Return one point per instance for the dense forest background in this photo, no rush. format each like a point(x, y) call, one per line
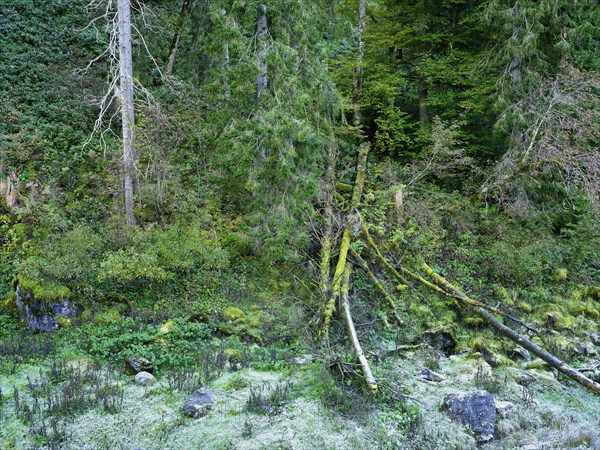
point(482, 120)
point(486, 113)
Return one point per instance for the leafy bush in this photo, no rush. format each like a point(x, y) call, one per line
point(180, 347)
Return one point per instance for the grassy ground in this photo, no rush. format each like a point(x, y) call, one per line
point(270, 401)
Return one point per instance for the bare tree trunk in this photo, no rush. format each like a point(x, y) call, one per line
point(126, 98)
point(177, 36)
point(359, 69)
point(345, 298)
point(261, 45)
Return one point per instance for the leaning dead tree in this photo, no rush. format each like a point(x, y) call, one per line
point(338, 291)
point(442, 286)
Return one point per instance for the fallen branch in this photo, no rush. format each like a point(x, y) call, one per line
point(520, 340)
point(379, 286)
point(385, 262)
point(369, 378)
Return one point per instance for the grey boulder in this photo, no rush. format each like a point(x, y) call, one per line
point(475, 409)
point(430, 375)
point(137, 364)
point(199, 403)
point(145, 379)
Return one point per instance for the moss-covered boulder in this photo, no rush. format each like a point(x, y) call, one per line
point(442, 339)
point(43, 307)
point(233, 314)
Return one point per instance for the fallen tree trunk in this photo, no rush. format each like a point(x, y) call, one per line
point(345, 301)
point(520, 340)
point(336, 282)
point(435, 287)
point(385, 262)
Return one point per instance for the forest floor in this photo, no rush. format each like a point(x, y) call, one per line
point(293, 403)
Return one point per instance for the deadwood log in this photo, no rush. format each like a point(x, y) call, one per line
point(519, 339)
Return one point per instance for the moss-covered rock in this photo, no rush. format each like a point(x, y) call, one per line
point(43, 306)
point(232, 354)
point(166, 327)
point(560, 275)
point(233, 314)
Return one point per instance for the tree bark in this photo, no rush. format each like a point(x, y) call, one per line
point(359, 68)
point(345, 298)
point(359, 183)
point(177, 36)
point(127, 109)
point(327, 238)
point(225, 69)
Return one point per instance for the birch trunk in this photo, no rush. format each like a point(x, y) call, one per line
point(126, 98)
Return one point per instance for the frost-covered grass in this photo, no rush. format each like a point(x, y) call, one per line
point(302, 406)
point(151, 418)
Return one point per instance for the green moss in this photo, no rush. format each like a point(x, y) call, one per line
point(537, 364)
point(474, 322)
point(558, 319)
point(560, 275)
point(105, 316)
point(10, 302)
point(578, 308)
point(233, 314)
point(420, 311)
point(166, 327)
point(63, 322)
point(525, 307)
point(592, 292)
point(232, 354)
point(41, 291)
point(577, 292)
point(236, 382)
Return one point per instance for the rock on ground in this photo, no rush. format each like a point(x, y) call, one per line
point(475, 409)
point(504, 409)
point(145, 379)
point(430, 375)
point(199, 403)
point(137, 364)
